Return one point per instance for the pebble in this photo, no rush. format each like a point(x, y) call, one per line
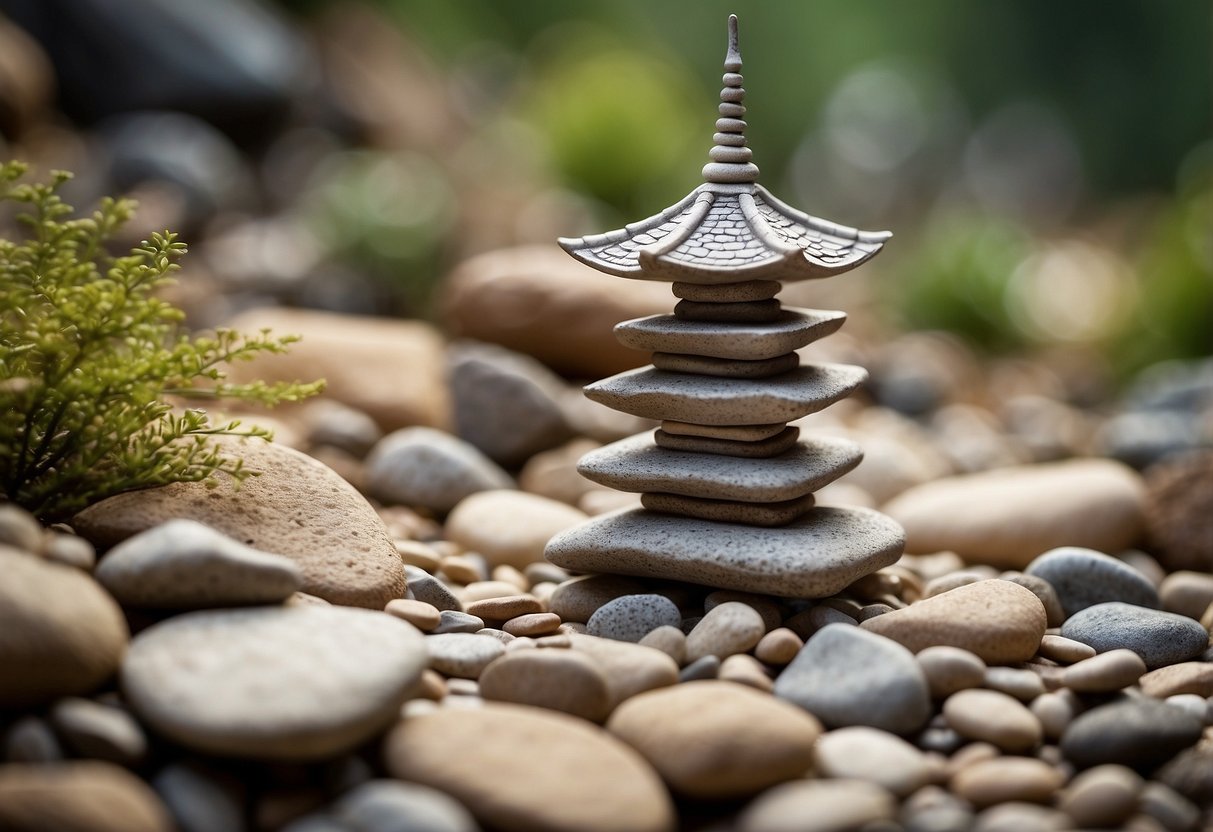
point(541, 770)
point(778, 647)
point(99, 732)
point(1064, 650)
point(185, 565)
point(1023, 685)
point(949, 669)
point(284, 683)
point(993, 717)
point(715, 739)
point(421, 615)
point(392, 806)
point(1007, 779)
point(415, 553)
point(510, 527)
point(1084, 577)
point(462, 570)
point(533, 624)
point(84, 795)
point(19, 529)
point(30, 740)
point(1139, 733)
point(1172, 810)
point(862, 753)
point(577, 599)
point(744, 669)
point(669, 639)
point(298, 508)
point(464, 655)
point(1160, 638)
point(1191, 773)
point(201, 798)
point(453, 621)
point(772, 615)
point(999, 621)
point(487, 590)
point(632, 617)
point(1192, 703)
point(729, 628)
point(427, 468)
point(1102, 797)
point(833, 806)
point(63, 634)
point(932, 809)
point(1054, 711)
point(1187, 593)
point(1104, 673)
point(1185, 677)
point(503, 608)
point(847, 676)
point(425, 587)
point(1018, 816)
point(629, 668)
point(1008, 516)
point(559, 680)
point(1055, 614)
point(70, 550)
point(706, 667)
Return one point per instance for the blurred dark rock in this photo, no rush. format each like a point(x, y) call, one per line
point(1179, 512)
point(1145, 437)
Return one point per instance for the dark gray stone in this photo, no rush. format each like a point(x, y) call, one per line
point(1137, 732)
point(632, 617)
point(425, 587)
point(454, 621)
point(1084, 577)
point(848, 676)
point(1160, 638)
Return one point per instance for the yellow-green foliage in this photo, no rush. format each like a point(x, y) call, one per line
point(89, 358)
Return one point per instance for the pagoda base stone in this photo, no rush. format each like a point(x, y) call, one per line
point(816, 556)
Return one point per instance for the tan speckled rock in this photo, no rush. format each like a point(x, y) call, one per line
point(730, 511)
point(818, 555)
point(727, 292)
point(999, 621)
point(656, 394)
point(748, 342)
point(637, 464)
point(78, 796)
point(297, 507)
point(762, 449)
point(712, 739)
point(725, 367)
point(529, 770)
point(509, 527)
point(60, 633)
point(1006, 517)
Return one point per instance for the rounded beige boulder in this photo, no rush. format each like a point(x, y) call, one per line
point(713, 739)
point(60, 632)
point(525, 769)
point(1008, 516)
point(296, 507)
point(509, 527)
point(78, 796)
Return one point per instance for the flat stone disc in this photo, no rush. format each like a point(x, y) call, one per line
point(709, 400)
point(760, 311)
point(762, 449)
point(728, 292)
point(730, 511)
point(725, 367)
point(740, 433)
point(750, 342)
point(637, 464)
point(818, 555)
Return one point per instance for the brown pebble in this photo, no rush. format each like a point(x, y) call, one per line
point(993, 717)
point(778, 647)
point(415, 553)
point(1187, 593)
point(501, 635)
point(461, 570)
point(1007, 779)
point(511, 575)
point(1104, 673)
point(558, 641)
point(559, 680)
point(1024, 685)
point(433, 686)
point(950, 669)
point(533, 624)
point(1185, 677)
point(1055, 712)
point(504, 608)
point(970, 755)
point(745, 670)
point(1064, 650)
point(1102, 797)
point(483, 590)
point(669, 640)
point(421, 615)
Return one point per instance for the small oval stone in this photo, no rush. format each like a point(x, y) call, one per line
point(1104, 673)
point(509, 527)
point(731, 627)
point(1185, 677)
point(84, 795)
point(778, 647)
point(505, 607)
point(950, 669)
point(861, 753)
point(1160, 638)
point(630, 669)
point(1024, 685)
point(559, 680)
point(577, 599)
point(464, 655)
point(1140, 733)
point(1007, 779)
point(993, 717)
point(1065, 650)
point(1054, 711)
point(1187, 593)
point(533, 624)
point(421, 615)
point(454, 621)
point(632, 617)
point(1084, 577)
point(99, 732)
point(670, 640)
point(744, 669)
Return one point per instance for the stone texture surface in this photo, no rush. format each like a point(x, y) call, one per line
point(462, 655)
point(578, 598)
point(563, 772)
point(1160, 638)
point(993, 717)
point(754, 311)
point(393, 370)
point(637, 464)
point(847, 676)
point(726, 629)
point(727, 292)
point(730, 511)
point(1007, 780)
point(632, 617)
point(182, 564)
point(568, 681)
point(392, 806)
point(1008, 516)
point(430, 469)
point(816, 556)
point(999, 621)
point(658, 394)
point(1187, 593)
point(286, 683)
point(1185, 677)
point(60, 633)
point(714, 740)
point(762, 449)
point(862, 753)
point(725, 367)
point(629, 668)
point(509, 527)
point(1138, 733)
point(1104, 673)
point(752, 342)
point(1084, 577)
point(80, 796)
point(297, 507)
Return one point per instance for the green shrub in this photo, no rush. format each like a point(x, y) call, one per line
point(91, 361)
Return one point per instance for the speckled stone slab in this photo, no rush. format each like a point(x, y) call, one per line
point(740, 433)
point(637, 464)
point(816, 556)
point(762, 449)
point(725, 367)
point(749, 342)
point(760, 311)
point(730, 511)
point(707, 400)
point(728, 292)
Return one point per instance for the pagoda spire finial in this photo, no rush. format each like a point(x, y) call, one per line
point(730, 158)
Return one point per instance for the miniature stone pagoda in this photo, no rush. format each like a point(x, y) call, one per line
point(727, 485)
